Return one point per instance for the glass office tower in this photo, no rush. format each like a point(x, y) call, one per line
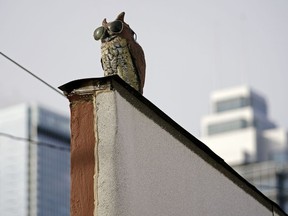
point(34, 162)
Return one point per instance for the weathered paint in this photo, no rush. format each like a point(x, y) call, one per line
point(82, 156)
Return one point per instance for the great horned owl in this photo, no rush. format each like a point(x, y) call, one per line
point(120, 53)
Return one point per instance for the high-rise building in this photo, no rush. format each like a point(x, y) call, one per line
point(239, 130)
point(34, 162)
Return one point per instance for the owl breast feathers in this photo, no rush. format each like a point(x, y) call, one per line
point(120, 53)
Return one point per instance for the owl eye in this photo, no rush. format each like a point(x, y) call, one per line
point(99, 32)
point(116, 26)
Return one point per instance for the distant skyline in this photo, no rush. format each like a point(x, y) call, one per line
point(192, 48)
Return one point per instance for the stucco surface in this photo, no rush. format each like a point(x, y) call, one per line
point(144, 170)
point(106, 135)
point(82, 158)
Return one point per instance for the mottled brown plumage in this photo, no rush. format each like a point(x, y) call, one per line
point(120, 53)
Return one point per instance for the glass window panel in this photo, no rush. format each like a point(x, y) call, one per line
point(233, 103)
point(227, 126)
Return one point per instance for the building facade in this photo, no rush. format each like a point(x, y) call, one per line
point(34, 161)
point(129, 158)
point(239, 129)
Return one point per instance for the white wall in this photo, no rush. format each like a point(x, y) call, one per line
point(145, 170)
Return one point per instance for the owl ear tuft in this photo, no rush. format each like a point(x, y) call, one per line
point(104, 22)
point(121, 16)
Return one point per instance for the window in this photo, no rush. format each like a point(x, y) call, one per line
point(227, 126)
point(233, 103)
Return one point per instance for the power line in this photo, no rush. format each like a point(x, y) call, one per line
point(38, 78)
point(49, 145)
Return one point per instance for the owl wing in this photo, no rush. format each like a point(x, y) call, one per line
point(138, 59)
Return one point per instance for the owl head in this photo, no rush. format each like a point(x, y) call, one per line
point(110, 30)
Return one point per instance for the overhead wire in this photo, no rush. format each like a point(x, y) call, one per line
point(26, 139)
point(34, 142)
point(32, 74)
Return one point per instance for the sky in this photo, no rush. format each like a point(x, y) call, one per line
point(191, 48)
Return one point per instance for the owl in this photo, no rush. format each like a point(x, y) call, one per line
point(120, 53)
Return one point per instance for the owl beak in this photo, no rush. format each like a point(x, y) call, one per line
point(107, 37)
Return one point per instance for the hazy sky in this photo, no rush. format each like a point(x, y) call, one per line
point(192, 47)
